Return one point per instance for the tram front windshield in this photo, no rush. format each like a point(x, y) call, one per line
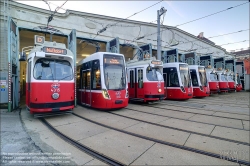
point(52, 69)
point(213, 77)
point(114, 72)
point(154, 74)
point(203, 77)
point(194, 77)
point(184, 73)
point(223, 77)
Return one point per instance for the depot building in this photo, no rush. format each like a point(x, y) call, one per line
point(84, 34)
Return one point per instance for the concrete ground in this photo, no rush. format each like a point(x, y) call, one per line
point(16, 142)
point(26, 141)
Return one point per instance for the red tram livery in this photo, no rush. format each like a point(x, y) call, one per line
point(102, 81)
point(145, 81)
point(50, 85)
point(222, 78)
point(177, 81)
point(230, 80)
point(212, 80)
point(199, 81)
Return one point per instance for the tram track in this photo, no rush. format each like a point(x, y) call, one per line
point(175, 105)
point(188, 131)
point(216, 103)
point(186, 119)
point(179, 146)
point(195, 112)
point(81, 147)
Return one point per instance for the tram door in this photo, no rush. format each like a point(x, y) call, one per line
point(139, 88)
point(132, 83)
point(165, 83)
point(86, 82)
point(28, 95)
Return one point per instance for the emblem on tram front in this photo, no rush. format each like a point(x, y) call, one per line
point(118, 94)
point(158, 85)
point(55, 87)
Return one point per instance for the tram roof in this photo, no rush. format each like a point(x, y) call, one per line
point(39, 48)
point(145, 61)
point(173, 64)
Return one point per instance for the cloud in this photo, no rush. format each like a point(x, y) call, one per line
point(174, 9)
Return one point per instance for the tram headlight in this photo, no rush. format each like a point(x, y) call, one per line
point(201, 88)
point(55, 96)
point(182, 89)
point(105, 94)
point(159, 90)
point(127, 93)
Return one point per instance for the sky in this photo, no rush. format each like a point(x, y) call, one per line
point(178, 12)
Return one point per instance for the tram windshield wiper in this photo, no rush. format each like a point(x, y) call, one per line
point(64, 77)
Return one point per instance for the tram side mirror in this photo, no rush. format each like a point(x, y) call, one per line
point(22, 56)
point(45, 64)
point(149, 68)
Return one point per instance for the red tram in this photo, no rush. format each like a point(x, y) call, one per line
point(212, 80)
point(238, 83)
point(230, 80)
point(145, 81)
point(177, 81)
point(199, 81)
point(222, 78)
point(102, 81)
point(50, 85)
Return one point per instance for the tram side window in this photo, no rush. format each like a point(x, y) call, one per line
point(84, 79)
point(131, 78)
point(88, 80)
point(96, 75)
point(140, 78)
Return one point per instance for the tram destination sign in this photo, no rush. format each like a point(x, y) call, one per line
point(54, 50)
point(109, 59)
point(156, 62)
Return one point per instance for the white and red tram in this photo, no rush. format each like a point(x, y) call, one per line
point(50, 85)
point(222, 78)
point(199, 81)
point(238, 83)
point(212, 80)
point(102, 81)
point(230, 80)
point(145, 81)
point(177, 81)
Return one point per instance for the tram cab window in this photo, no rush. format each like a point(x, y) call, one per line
point(96, 75)
point(172, 77)
point(140, 78)
point(194, 77)
point(51, 69)
point(154, 74)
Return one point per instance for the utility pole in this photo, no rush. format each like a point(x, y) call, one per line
point(159, 13)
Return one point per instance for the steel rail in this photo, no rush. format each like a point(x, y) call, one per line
point(86, 149)
point(193, 112)
point(186, 119)
point(183, 130)
point(166, 143)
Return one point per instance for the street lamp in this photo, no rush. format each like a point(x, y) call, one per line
point(159, 13)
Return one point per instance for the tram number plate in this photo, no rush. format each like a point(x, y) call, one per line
point(118, 102)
